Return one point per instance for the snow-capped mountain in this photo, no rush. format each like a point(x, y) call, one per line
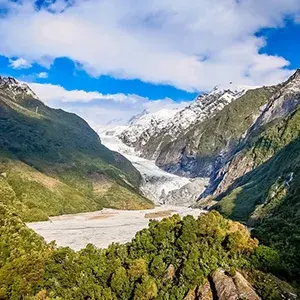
point(16, 87)
point(144, 126)
point(149, 132)
point(135, 118)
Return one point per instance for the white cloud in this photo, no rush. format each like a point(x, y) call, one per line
point(42, 75)
point(192, 45)
point(50, 93)
point(98, 108)
point(19, 63)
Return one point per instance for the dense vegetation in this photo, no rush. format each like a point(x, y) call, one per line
point(30, 269)
point(52, 163)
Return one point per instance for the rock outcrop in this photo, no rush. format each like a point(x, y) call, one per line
point(170, 272)
point(222, 286)
point(244, 288)
point(202, 292)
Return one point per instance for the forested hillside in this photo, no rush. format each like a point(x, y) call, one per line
point(52, 162)
point(259, 183)
point(210, 258)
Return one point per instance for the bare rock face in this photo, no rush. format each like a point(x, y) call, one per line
point(191, 295)
point(170, 272)
point(204, 292)
point(282, 104)
point(186, 195)
point(236, 168)
point(244, 288)
point(224, 285)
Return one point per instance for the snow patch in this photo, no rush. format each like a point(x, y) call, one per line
point(16, 87)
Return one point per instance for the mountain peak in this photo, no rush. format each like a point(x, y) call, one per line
point(295, 76)
point(16, 87)
point(135, 118)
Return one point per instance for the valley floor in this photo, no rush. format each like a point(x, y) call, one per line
point(102, 228)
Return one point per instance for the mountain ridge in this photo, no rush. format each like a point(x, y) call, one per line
point(150, 139)
point(40, 142)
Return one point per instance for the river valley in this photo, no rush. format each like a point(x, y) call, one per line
point(102, 228)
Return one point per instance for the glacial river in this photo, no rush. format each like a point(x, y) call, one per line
point(102, 228)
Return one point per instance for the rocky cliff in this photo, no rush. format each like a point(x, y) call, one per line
point(275, 128)
point(222, 285)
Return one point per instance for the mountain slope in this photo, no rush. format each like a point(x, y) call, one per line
point(275, 128)
point(205, 145)
point(43, 147)
point(260, 183)
point(153, 132)
point(143, 127)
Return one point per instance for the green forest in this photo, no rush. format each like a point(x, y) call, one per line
point(165, 261)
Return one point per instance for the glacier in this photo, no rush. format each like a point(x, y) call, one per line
point(157, 184)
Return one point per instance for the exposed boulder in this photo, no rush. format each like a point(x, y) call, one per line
point(224, 286)
point(244, 288)
point(204, 292)
point(170, 272)
point(191, 295)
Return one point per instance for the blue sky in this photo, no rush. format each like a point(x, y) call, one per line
point(64, 72)
point(109, 59)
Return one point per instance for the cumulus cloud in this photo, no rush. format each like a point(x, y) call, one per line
point(42, 75)
point(50, 92)
point(97, 108)
point(192, 45)
point(19, 63)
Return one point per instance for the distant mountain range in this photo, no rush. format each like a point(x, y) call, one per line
point(148, 133)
